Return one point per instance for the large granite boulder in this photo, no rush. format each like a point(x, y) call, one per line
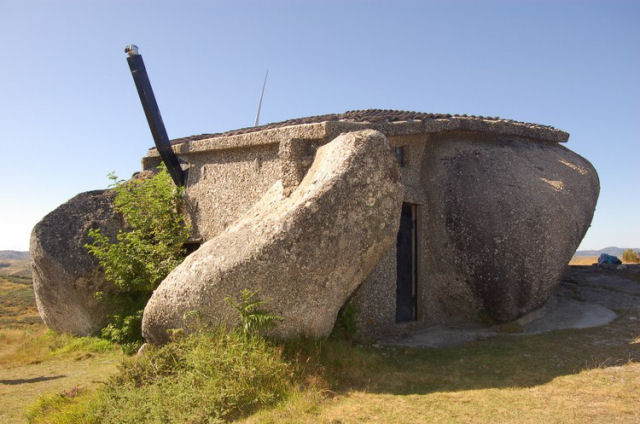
point(65, 276)
point(306, 252)
point(503, 218)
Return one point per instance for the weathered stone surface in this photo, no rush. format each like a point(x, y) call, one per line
point(65, 276)
point(305, 253)
point(503, 217)
point(229, 173)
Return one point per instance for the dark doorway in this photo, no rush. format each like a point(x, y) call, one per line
point(407, 276)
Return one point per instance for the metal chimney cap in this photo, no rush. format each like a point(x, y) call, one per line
point(131, 50)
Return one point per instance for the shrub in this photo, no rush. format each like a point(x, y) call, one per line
point(209, 376)
point(142, 255)
point(631, 256)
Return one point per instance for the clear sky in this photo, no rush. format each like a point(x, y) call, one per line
point(69, 112)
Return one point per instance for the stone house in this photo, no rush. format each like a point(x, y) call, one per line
point(492, 209)
point(415, 218)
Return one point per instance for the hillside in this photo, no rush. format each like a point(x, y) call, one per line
point(13, 255)
point(615, 251)
point(15, 264)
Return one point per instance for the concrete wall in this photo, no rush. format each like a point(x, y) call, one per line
point(222, 185)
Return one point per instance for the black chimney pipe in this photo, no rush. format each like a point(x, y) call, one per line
point(148, 100)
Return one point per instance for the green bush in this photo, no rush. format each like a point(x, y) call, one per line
point(142, 255)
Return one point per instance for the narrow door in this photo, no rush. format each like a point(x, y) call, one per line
point(407, 277)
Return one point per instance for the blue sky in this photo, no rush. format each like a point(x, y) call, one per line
point(69, 112)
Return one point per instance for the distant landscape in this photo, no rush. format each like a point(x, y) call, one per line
point(13, 254)
point(615, 251)
point(589, 257)
point(15, 263)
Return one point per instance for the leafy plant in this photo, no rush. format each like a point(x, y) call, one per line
point(142, 255)
point(125, 329)
point(253, 318)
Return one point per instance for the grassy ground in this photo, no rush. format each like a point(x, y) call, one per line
point(35, 361)
point(569, 376)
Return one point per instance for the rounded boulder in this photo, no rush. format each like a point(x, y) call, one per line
point(504, 218)
point(66, 277)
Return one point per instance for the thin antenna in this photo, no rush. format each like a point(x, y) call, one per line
point(261, 96)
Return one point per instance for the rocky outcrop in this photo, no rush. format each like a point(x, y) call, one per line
point(305, 253)
point(65, 276)
point(503, 218)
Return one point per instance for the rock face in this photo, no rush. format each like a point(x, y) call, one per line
point(65, 276)
point(504, 217)
point(305, 253)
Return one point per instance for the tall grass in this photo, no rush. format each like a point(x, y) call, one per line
point(206, 377)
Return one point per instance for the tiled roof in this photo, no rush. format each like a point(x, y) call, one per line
point(367, 115)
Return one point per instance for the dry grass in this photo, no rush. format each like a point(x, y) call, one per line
point(35, 361)
point(583, 260)
point(22, 386)
point(31, 347)
point(21, 346)
point(571, 376)
point(593, 396)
